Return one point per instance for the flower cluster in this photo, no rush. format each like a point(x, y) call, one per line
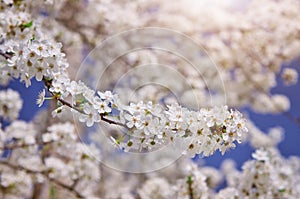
point(268, 176)
point(151, 125)
point(81, 168)
point(195, 184)
point(259, 139)
point(10, 104)
point(27, 51)
point(16, 184)
point(290, 76)
point(55, 156)
point(205, 131)
point(52, 155)
point(248, 46)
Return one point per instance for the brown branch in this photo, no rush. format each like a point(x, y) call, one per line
point(67, 104)
point(190, 188)
point(63, 102)
point(55, 182)
point(16, 146)
point(112, 122)
point(102, 116)
point(6, 55)
point(37, 190)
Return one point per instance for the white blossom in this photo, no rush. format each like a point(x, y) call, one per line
point(10, 104)
point(248, 58)
point(90, 115)
point(41, 98)
point(261, 155)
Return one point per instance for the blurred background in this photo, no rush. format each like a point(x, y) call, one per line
point(74, 18)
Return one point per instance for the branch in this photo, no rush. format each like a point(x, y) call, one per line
point(56, 182)
point(102, 116)
point(190, 188)
point(16, 146)
point(6, 55)
point(63, 102)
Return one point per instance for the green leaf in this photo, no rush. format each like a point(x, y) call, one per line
point(27, 25)
point(189, 180)
point(52, 192)
point(33, 38)
point(281, 190)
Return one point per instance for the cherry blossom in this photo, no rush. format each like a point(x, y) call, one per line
point(46, 40)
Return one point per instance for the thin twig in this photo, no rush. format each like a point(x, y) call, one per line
point(16, 146)
point(6, 55)
point(63, 102)
point(190, 187)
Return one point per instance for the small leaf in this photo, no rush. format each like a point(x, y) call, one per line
point(189, 180)
point(27, 25)
point(281, 190)
point(33, 38)
point(52, 192)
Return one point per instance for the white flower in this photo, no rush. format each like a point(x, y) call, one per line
point(101, 106)
point(107, 95)
point(25, 78)
point(10, 104)
point(228, 193)
point(8, 1)
point(280, 103)
point(40, 70)
point(54, 48)
point(17, 131)
point(41, 98)
point(90, 115)
point(47, 137)
point(261, 155)
point(151, 125)
point(89, 94)
point(74, 88)
point(290, 76)
point(57, 168)
point(156, 187)
point(19, 181)
point(175, 113)
point(57, 87)
point(133, 120)
point(208, 146)
point(29, 56)
point(29, 139)
point(40, 49)
point(132, 108)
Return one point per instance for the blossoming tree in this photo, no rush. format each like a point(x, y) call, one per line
point(154, 93)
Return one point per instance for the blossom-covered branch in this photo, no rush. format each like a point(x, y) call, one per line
point(36, 38)
point(150, 125)
point(57, 183)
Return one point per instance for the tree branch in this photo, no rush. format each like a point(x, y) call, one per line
point(55, 182)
